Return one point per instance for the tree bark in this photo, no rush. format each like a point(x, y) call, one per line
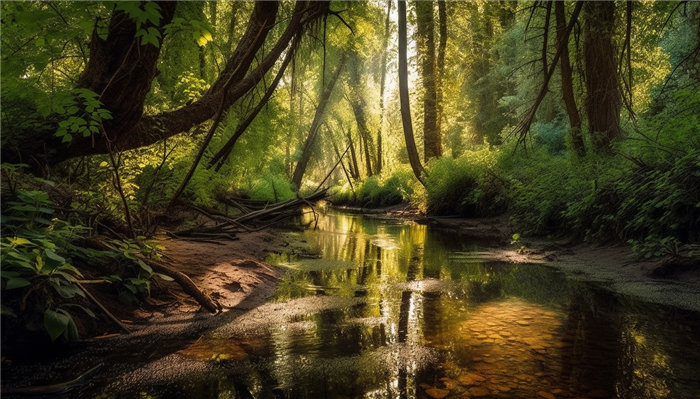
point(425, 36)
point(603, 101)
point(440, 72)
point(300, 168)
point(382, 88)
point(354, 168)
point(567, 86)
point(413, 156)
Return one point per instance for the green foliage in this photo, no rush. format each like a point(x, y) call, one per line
point(462, 186)
point(272, 188)
point(132, 252)
point(36, 255)
point(85, 115)
point(378, 191)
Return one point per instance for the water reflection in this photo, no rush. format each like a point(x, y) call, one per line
point(422, 315)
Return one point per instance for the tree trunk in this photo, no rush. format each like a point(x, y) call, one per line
point(603, 101)
point(382, 88)
point(567, 86)
point(357, 102)
point(354, 168)
point(315, 125)
point(432, 145)
point(440, 73)
point(413, 156)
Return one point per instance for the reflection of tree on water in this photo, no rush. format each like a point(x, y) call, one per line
point(415, 266)
point(592, 339)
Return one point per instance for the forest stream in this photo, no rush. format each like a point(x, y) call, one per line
point(391, 308)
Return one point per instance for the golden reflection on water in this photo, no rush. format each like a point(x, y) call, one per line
point(433, 320)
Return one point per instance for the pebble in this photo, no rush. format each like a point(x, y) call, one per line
point(479, 391)
point(437, 393)
point(546, 395)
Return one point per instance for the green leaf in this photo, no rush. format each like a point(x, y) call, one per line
point(17, 241)
point(8, 274)
point(83, 308)
point(67, 290)
point(71, 329)
point(164, 277)
point(7, 311)
point(53, 256)
point(16, 283)
point(144, 266)
point(55, 323)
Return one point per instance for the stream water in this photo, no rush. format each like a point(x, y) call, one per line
point(394, 309)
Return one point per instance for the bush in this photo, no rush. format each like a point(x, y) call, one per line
point(378, 191)
point(272, 188)
point(466, 186)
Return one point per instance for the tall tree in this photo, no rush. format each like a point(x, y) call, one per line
point(425, 36)
point(567, 81)
point(356, 98)
point(382, 87)
point(440, 71)
point(603, 97)
point(413, 156)
point(314, 129)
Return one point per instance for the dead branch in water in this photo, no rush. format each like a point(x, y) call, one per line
point(255, 216)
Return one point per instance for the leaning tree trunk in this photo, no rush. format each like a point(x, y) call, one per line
point(354, 168)
point(567, 87)
point(315, 125)
point(432, 143)
point(603, 101)
point(413, 156)
point(357, 103)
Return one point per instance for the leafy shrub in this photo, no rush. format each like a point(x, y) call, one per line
point(464, 186)
point(378, 191)
point(36, 263)
point(537, 193)
point(272, 188)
